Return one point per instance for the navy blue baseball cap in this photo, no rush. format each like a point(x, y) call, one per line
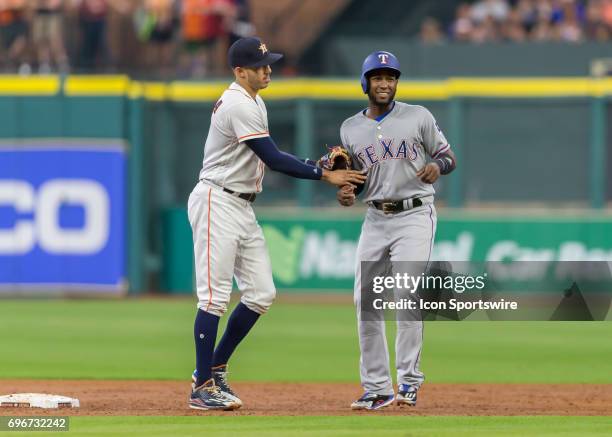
point(250, 52)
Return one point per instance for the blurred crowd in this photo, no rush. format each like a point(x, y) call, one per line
point(185, 38)
point(189, 38)
point(524, 20)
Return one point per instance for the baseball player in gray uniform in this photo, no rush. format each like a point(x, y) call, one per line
point(404, 152)
point(228, 242)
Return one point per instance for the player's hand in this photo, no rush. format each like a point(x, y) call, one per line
point(340, 178)
point(346, 195)
point(429, 174)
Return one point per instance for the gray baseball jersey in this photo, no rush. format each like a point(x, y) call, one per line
point(393, 150)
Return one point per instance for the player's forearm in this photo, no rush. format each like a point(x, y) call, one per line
point(308, 161)
point(304, 160)
point(446, 161)
point(283, 162)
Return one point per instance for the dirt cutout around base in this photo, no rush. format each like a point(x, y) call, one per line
point(170, 398)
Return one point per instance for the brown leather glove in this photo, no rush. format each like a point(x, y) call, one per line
point(337, 158)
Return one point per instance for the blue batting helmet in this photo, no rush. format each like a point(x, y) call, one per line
point(375, 61)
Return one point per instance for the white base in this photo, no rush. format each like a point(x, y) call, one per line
point(38, 400)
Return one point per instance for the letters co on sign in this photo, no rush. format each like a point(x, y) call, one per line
point(62, 216)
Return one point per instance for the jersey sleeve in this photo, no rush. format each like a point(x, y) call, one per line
point(434, 140)
point(356, 164)
point(247, 122)
point(347, 145)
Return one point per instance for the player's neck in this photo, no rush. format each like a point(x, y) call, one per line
point(244, 84)
point(374, 111)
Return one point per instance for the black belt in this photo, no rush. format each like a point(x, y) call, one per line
point(395, 206)
point(246, 196)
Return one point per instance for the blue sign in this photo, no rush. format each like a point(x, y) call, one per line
point(62, 218)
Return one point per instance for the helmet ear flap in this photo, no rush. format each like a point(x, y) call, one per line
point(365, 84)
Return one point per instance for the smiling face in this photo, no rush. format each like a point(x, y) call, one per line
point(382, 86)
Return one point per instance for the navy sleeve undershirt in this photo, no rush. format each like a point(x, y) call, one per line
point(359, 189)
point(265, 148)
point(446, 163)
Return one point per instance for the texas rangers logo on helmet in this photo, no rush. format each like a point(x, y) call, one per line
point(383, 58)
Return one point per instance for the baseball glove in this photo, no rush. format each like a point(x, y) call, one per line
point(337, 158)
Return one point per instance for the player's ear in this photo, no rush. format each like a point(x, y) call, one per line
point(239, 72)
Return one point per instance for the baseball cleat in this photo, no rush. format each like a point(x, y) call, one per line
point(372, 401)
point(209, 397)
point(406, 395)
point(219, 375)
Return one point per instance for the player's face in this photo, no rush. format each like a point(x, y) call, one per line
point(258, 78)
point(383, 84)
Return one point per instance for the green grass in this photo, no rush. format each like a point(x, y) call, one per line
point(152, 339)
point(342, 426)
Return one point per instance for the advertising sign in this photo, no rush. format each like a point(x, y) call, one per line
point(62, 217)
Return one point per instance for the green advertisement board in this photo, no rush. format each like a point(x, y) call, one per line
point(317, 252)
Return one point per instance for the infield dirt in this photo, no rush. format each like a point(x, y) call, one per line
point(169, 398)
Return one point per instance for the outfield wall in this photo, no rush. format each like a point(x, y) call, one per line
point(344, 55)
point(518, 141)
point(316, 252)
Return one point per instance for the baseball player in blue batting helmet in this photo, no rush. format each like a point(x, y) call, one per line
point(404, 152)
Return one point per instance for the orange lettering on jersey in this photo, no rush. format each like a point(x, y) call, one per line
point(217, 105)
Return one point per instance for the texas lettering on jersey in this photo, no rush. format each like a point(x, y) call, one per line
point(387, 149)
